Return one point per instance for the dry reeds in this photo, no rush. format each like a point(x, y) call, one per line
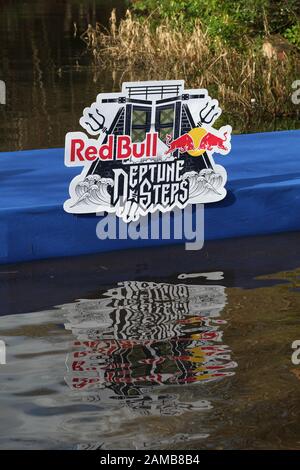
point(242, 80)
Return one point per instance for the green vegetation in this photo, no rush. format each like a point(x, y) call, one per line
point(246, 53)
point(292, 34)
point(229, 21)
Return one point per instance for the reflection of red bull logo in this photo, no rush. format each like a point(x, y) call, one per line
point(180, 360)
point(199, 140)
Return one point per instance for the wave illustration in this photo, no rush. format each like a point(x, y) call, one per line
point(93, 190)
point(205, 182)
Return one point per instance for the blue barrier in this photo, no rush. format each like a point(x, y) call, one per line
point(263, 198)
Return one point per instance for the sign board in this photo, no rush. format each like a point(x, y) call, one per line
point(148, 148)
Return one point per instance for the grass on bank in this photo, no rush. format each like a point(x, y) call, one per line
point(256, 76)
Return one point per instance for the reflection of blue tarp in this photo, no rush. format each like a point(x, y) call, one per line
point(263, 197)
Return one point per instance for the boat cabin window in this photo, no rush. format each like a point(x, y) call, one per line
point(164, 122)
point(141, 123)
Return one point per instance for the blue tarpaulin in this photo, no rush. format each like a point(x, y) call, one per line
point(263, 198)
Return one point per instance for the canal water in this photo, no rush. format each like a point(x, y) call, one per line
point(48, 73)
point(50, 77)
point(153, 349)
point(159, 348)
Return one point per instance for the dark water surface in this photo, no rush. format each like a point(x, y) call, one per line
point(46, 69)
point(50, 78)
point(158, 348)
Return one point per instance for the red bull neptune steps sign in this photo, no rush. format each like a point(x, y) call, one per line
point(149, 148)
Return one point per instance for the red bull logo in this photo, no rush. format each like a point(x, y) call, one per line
point(135, 151)
point(211, 142)
point(199, 139)
point(182, 143)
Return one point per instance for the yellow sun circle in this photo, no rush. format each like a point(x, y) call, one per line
point(197, 135)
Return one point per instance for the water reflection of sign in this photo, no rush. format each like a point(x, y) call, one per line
point(151, 149)
point(141, 335)
point(2, 352)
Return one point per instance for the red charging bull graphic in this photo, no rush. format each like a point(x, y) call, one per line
point(199, 140)
point(148, 148)
point(144, 335)
point(211, 141)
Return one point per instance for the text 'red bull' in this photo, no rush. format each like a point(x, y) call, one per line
point(80, 149)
